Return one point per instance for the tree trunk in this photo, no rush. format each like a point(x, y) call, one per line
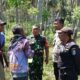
point(75, 30)
point(39, 6)
point(17, 16)
point(0, 9)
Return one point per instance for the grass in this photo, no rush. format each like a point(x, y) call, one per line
point(48, 69)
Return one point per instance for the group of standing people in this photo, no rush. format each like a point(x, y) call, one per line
point(66, 53)
point(21, 48)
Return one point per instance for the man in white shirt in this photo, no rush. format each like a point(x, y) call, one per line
point(58, 24)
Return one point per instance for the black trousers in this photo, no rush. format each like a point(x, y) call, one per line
point(5, 59)
point(56, 72)
point(68, 74)
point(1, 60)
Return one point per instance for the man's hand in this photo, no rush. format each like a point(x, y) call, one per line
point(0, 52)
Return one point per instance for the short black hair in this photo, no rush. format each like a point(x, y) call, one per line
point(17, 29)
point(60, 19)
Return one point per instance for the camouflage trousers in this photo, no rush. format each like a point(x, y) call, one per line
point(2, 74)
point(36, 68)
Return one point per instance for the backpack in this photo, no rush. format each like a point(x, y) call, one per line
point(18, 56)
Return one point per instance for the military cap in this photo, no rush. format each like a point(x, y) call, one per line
point(2, 22)
point(66, 30)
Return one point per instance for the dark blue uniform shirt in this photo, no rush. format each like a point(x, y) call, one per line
point(2, 39)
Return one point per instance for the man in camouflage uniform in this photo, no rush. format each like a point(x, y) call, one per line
point(38, 44)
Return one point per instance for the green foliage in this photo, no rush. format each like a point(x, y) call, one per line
point(76, 13)
point(67, 23)
point(14, 2)
point(49, 34)
point(52, 3)
point(32, 11)
point(18, 2)
point(25, 5)
point(21, 5)
point(45, 14)
point(10, 14)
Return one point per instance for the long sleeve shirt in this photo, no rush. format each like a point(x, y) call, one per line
point(2, 40)
point(56, 42)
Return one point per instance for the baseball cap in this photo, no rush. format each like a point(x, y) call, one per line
point(66, 30)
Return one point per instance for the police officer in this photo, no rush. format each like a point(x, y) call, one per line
point(58, 24)
point(38, 44)
point(67, 52)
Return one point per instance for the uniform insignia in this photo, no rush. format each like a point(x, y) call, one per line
point(73, 51)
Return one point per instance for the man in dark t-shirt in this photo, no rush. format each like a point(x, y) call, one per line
point(38, 44)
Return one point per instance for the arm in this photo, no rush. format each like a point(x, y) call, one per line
point(29, 53)
point(2, 40)
point(2, 43)
point(46, 51)
point(76, 54)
